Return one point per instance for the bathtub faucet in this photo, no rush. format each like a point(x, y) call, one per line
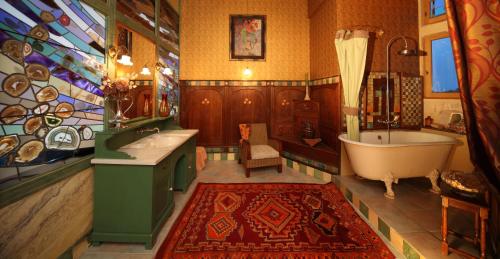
point(393, 122)
point(390, 123)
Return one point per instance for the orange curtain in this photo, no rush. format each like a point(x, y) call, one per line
point(475, 36)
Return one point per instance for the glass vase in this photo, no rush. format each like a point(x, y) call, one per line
point(164, 107)
point(146, 110)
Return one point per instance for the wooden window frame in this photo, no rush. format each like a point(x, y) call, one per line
point(428, 68)
point(426, 14)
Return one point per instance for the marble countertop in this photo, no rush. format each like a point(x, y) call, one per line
point(150, 150)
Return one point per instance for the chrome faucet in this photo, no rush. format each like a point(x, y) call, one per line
point(142, 130)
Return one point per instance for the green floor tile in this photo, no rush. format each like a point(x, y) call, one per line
point(363, 208)
point(289, 163)
point(318, 174)
point(384, 228)
point(348, 194)
point(302, 168)
point(409, 252)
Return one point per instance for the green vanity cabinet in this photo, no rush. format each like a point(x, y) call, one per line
point(132, 201)
point(187, 163)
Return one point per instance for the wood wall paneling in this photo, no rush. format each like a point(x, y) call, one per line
point(305, 112)
point(328, 97)
point(245, 105)
point(203, 109)
point(282, 99)
point(231, 105)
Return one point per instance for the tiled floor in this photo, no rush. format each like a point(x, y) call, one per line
point(415, 213)
point(215, 172)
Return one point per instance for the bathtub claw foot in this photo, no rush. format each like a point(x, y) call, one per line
point(388, 180)
point(433, 177)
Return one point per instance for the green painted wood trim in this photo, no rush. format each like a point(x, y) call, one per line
point(136, 26)
point(98, 5)
point(36, 183)
point(68, 254)
point(110, 35)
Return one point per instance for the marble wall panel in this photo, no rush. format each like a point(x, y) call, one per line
point(48, 222)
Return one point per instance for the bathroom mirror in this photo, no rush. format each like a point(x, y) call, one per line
point(142, 54)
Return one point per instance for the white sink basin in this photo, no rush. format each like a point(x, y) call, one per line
point(157, 141)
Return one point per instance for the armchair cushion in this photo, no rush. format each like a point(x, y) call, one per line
point(263, 152)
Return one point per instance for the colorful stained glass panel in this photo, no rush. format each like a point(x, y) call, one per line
point(51, 63)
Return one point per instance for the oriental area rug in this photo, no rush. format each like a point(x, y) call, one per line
point(270, 221)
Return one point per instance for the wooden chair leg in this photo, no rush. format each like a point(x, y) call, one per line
point(247, 172)
point(444, 227)
point(476, 228)
point(280, 168)
point(483, 214)
point(239, 160)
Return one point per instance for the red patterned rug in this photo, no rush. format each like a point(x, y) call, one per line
point(270, 221)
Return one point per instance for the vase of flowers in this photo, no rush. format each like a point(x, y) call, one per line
point(118, 92)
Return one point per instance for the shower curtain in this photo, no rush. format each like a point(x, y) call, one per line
point(351, 53)
point(475, 38)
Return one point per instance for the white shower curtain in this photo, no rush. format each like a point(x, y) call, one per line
point(351, 52)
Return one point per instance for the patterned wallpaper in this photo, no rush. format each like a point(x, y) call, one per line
point(323, 24)
point(393, 16)
point(205, 40)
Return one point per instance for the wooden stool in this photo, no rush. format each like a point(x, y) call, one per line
point(480, 220)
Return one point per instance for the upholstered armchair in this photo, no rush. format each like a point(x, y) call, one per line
point(256, 149)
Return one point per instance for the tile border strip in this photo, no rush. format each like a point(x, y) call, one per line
point(325, 81)
point(315, 82)
point(307, 170)
point(305, 165)
point(378, 224)
point(312, 163)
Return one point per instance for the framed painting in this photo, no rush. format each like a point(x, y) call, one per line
point(247, 37)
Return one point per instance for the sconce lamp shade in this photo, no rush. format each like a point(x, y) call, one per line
point(145, 71)
point(167, 71)
point(125, 60)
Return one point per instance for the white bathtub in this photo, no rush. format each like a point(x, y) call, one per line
point(410, 154)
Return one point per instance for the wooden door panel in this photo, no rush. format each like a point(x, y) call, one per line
point(203, 110)
point(246, 105)
point(282, 125)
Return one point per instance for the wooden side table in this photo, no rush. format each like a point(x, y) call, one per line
point(480, 222)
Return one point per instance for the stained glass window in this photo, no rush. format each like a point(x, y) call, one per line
point(437, 8)
point(169, 25)
point(50, 68)
point(444, 75)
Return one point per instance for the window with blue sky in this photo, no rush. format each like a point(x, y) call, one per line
point(444, 75)
point(437, 8)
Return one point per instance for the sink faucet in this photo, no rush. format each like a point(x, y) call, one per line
point(142, 130)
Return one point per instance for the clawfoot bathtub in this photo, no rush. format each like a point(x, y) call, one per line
point(410, 154)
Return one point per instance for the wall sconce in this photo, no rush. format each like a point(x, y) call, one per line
point(114, 52)
point(247, 72)
point(145, 70)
